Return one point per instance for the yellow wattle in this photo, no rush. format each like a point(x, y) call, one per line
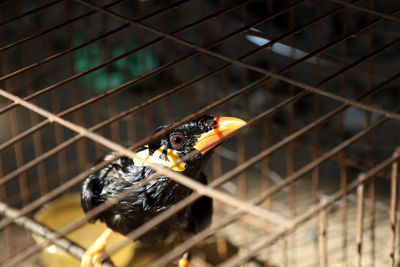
point(143, 158)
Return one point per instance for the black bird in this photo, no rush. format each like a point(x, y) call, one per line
point(141, 205)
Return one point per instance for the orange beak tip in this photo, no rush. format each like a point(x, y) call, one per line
point(230, 122)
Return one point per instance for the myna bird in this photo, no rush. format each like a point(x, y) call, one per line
point(201, 136)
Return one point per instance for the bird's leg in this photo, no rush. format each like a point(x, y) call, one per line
point(184, 261)
point(94, 252)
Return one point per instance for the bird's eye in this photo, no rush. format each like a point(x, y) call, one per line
point(177, 140)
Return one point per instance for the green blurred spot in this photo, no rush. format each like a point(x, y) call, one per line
point(117, 73)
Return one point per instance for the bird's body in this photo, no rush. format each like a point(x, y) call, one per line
point(144, 203)
point(160, 192)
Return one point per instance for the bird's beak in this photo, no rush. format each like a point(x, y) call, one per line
point(224, 128)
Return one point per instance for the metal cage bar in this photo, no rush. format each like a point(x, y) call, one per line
point(316, 82)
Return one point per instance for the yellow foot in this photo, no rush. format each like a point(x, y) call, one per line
point(91, 259)
point(92, 256)
point(184, 261)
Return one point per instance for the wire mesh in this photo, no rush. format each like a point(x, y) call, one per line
point(311, 181)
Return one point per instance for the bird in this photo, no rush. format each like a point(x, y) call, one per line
point(193, 141)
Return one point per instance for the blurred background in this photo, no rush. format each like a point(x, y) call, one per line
point(316, 80)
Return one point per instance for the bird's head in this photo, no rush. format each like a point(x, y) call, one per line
point(192, 141)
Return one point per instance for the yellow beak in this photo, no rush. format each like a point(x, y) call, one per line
point(224, 128)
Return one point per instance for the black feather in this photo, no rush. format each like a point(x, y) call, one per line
point(159, 194)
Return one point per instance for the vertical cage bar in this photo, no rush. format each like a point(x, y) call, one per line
point(34, 118)
point(11, 248)
point(314, 141)
point(187, 94)
point(9, 240)
point(360, 223)
point(148, 111)
point(8, 236)
point(393, 209)
point(169, 112)
point(56, 106)
point(398, 224)
point(342, 155)
point(284, 245)
point(222, 242)
point(112, 102)
point(241, 147)
point(19, 158)
point(290, 154)
point(127, 101)
point(266, 131)
point(323, 236)
point(222, 246)
point(76, 91)
point(369, 141)
point(290, 130)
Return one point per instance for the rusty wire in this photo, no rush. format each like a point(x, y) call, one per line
point(313, 89)
point(233, 173)
point(248, 253)
point(112, 91)
point(196, 186)
point(76, 107)
point(368, 10)
point(291, 178)
point(43, 231)
point(148, 102)
point(26, 133)
point(65, 144)
point(26, 39)
point(286, 226)
point(30, 12)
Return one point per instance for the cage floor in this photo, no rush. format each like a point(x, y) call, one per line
point(302, 247)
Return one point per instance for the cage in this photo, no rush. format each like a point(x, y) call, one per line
point(312, 180)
